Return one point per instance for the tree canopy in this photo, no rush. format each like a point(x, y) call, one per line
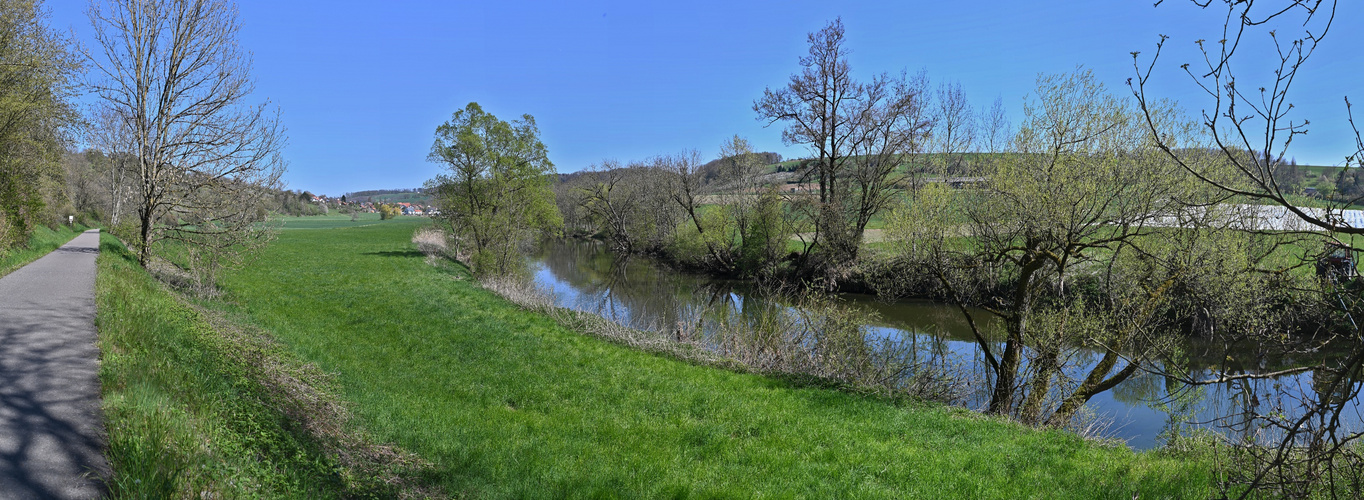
point(37, 81)
point(496, 191)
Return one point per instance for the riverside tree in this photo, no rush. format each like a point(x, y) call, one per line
point(174, 90)
point(36, 84)
point(496, 193)
point(857, 133)
point(735, 220)
point(1084, 190)
point(1250, 116)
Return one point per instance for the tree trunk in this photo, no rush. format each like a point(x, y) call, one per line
point(144, 253)
point(1002, 401)
point(1047, 365)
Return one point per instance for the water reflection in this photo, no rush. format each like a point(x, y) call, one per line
point(1144, 410)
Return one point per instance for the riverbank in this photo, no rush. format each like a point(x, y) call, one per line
point(506, 402)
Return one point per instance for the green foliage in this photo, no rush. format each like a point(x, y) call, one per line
point(1086, 188)
point(767, 233)
point(496, 194)
point(387, 211)
point(507, 403)
point(37, 73)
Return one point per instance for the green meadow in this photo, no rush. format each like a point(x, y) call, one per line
point(331, 221)
point(506, 403)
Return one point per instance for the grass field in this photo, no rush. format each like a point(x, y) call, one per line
point(182, 418)
point(509, 404)
point(42, 242)
point(328, 221)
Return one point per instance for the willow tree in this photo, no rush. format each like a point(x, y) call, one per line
point(496, 193)
point(36, 85)
point(1084, 188)
point(175, 92)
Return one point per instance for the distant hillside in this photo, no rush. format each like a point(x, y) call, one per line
point(710, 168)
point(415, 195)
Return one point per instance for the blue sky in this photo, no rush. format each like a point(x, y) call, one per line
point(363, 85)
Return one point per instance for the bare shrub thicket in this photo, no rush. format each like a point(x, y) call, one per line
point(724, 216)
point(435, 244)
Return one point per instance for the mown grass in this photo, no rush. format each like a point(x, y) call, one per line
point(509, 404)
point(42, 242)
point(333, 220)
point(186, 408)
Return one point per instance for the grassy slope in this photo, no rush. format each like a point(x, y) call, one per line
point(509, 404)
point(185, 416)
point(42, 242)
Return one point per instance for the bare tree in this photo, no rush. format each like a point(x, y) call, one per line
point(175, 85)
point(995, 129)
point(688, 191)
point(954, 128)
point(856, 132)
point(754, 204)
point(1251, 121)
point(633, 205)
point(109, 135)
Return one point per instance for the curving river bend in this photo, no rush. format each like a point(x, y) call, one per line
point(1140, 411)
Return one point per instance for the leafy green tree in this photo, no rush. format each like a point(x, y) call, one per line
point(387, 211)
point(496, 193)
point(36, 84)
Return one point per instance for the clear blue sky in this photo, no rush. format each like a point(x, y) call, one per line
point(363, 85)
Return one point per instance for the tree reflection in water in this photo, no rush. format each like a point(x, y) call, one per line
point(1145, 411)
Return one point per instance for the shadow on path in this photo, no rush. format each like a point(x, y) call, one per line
point(51, 430)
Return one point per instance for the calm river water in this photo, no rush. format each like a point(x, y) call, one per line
point(636, 292)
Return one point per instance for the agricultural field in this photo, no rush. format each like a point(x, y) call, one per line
point(509, 403)
point(330, 221)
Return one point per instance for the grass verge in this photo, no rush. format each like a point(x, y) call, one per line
point(196, 406)
point(42, 242)
point(508, 403)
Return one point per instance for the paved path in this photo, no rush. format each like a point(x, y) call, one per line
point(51, 431)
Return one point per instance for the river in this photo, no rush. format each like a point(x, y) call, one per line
point(1141, 411)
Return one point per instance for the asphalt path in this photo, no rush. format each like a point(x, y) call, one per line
point(51, 430)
